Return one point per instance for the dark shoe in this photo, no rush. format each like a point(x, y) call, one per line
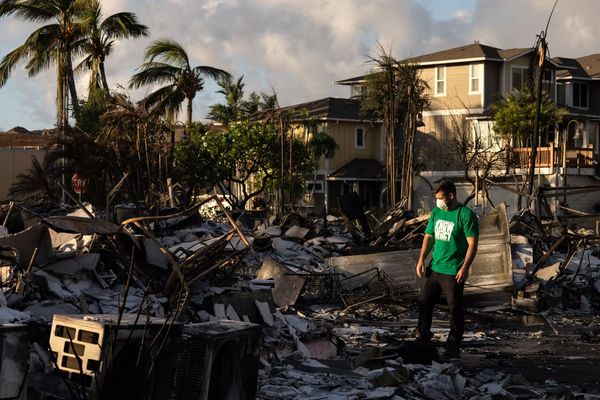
point(423, 338)
point(452, 351)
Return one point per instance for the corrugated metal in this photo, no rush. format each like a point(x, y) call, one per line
point(492, 267)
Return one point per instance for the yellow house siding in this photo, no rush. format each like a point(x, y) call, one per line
point(457, 88)
point(344, 135)
point(435, 150)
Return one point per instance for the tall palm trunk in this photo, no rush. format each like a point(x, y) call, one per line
point(189, 110)
point(103, 76)
point(60, 94)
point(71, 80)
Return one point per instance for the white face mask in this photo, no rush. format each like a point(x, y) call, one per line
point(441, 204)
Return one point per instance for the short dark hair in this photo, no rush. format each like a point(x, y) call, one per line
point(446, 186)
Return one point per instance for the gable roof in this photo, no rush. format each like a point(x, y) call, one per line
point(329, 108)
point(461, 54)
point(587, 67)
point(471, 51)
point(359, 169)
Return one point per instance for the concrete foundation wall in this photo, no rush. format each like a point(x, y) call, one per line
point(14, 162)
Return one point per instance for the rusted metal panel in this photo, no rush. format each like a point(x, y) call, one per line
point(491, 269)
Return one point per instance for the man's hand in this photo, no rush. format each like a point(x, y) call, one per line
point(462, 275)
point(420, 269)
point(425, 249)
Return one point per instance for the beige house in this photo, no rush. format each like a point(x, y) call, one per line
point(358, 161)
point(465, 81)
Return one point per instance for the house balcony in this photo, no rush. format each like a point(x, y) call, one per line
point(549, 157)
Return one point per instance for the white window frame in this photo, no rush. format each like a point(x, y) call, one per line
point(484, 128)
point(523, 78)
point(472, 77)
point(436, 80)
point(364, 137)
point(587, 92)
point(317, 182)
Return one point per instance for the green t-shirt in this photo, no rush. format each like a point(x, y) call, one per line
point(450, 230)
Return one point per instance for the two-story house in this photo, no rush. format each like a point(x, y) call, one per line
point(465, 81)
point(358, 161)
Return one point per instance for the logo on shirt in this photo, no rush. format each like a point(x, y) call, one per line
point(443, 230)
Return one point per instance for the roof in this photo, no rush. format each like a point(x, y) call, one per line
point(22, 137)
point(330, 108)
point(25, 140)
point(475, 50)
point(470, 52)
point(360, 169)
point(509, 54)
point(587, 67)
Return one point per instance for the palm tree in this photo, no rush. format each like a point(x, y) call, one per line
point(233, 109)
point(260, 102)
point(51, 44)
point(173, 68)
point(101, 35)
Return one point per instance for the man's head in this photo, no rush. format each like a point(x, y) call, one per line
point(445, 195)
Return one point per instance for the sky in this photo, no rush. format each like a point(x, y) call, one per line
point(298, 48)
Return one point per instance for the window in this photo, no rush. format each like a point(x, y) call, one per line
point(316, 186)
point(475, 78)
point(440, 81)
point(561, 94)
point(548, 78)
point(580, 95)
point(359, 138)
point(358, 91)
point(518, 78)
point(484, 136)
point(548, 82)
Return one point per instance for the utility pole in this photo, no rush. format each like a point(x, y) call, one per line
point(391, 138)
point(282, 174)
point(542, 49)
point(538, 107)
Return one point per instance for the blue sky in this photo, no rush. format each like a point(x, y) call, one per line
point(447, 9)
point(299, 47)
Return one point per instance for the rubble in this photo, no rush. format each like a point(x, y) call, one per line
point(335, 303)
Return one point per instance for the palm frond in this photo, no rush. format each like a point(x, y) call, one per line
point(169, 51)
point(26, 10)
point(154, 73)
point(123, 25)
point(10, 61)
point(212, 72)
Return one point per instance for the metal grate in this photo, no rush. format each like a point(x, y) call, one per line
point(217, 360)
point(365, 287)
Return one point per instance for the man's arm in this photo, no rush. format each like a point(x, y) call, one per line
point(463, 273)
point(425, 249)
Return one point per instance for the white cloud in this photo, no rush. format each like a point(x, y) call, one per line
point(301, 47)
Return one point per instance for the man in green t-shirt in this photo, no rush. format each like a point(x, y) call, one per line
point(452, 232)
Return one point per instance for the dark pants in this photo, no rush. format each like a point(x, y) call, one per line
point(429, 296)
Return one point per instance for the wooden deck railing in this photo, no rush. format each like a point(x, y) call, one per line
point(547, 157)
